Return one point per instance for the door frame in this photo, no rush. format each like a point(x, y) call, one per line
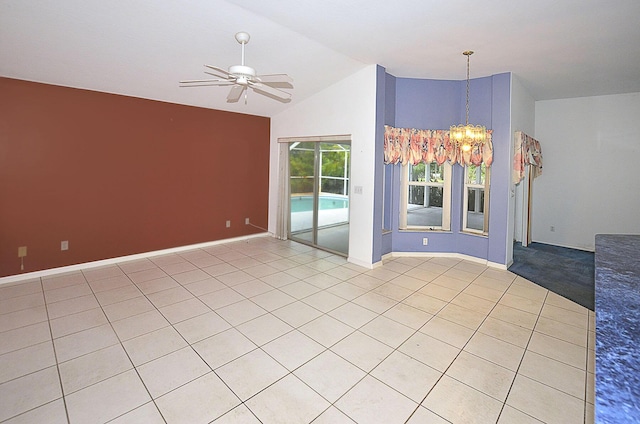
point(283, 224)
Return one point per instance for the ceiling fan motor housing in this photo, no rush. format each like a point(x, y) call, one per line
point(242, 70)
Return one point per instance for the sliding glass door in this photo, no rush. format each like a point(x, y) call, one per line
point(319, 194)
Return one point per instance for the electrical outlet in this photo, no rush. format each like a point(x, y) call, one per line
point(64, 245)
point(22, 251)
point(552, 229)
point(425, 241)
point(228, 224)
point(246, 221)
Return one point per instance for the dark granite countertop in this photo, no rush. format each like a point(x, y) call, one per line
point(617, 262)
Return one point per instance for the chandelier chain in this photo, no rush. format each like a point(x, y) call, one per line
point(468, 136)
point(468, 74)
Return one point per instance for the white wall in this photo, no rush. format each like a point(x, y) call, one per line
point(347, 107)
point(589, 185)
point(522, 119)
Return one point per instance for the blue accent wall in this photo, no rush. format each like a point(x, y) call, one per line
point(428, 104)
point(437, 104)
point(390, 100)
point(501, 169)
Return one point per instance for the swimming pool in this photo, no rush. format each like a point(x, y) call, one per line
point(305, 203)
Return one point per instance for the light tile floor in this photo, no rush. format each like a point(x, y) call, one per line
point(269, 331)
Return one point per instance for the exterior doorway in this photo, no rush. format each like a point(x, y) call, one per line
point(319, 194)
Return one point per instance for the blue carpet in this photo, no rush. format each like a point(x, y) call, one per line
point(564, 271)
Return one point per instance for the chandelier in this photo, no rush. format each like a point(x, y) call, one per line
point(467, 136)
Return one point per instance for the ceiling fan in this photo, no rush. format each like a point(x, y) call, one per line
point(241, 77)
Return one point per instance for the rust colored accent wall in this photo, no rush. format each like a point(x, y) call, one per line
point(117, 175)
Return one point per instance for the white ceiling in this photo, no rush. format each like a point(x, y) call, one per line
point(142, 48)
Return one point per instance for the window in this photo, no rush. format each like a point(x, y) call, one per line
point(426, 197)
point(475, 218)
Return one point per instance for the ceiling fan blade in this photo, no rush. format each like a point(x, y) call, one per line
point(220, 72)
point(228, 77)
point(270, 91)
point(276, 80)
point(235, 93)
point(196, 83)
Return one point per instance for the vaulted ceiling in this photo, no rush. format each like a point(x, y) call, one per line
point(142, 48)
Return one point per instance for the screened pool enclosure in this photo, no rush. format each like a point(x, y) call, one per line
point(319, 194)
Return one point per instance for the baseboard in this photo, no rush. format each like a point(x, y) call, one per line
point(583, 248)
point(112, 261)
point(362, 263)
point(445, 255)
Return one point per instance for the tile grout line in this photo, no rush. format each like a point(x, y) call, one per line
point(522, 359)
point(462, 349)
point(195, 351)
point(300, 300)
point(135, 368)
point(533, 331)
point(259, 347)
point(587, 378)
point(191, 345)
point(198, 354)
point(55, 354)
point(368, 373)
point(325, 349)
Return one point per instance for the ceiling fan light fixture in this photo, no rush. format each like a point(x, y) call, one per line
point(467, 136)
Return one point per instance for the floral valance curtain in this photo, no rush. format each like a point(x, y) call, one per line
point(410, 145)
point(527, 151)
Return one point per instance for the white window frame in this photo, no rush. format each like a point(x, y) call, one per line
point(486, 186)
point(386, 209)
point(446, 199)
